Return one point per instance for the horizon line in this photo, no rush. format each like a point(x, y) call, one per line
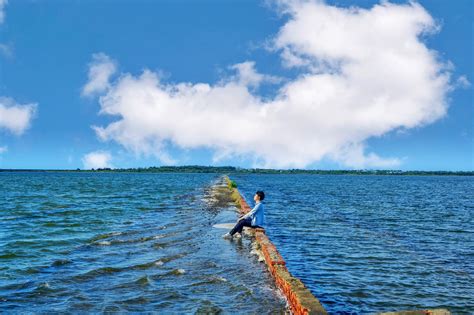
point(236, 168)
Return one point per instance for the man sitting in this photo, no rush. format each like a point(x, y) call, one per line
point(253, 218)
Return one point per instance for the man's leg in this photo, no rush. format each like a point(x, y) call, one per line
point(240, 225)
point(237, 227)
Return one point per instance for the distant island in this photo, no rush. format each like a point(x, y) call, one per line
point(239, 170)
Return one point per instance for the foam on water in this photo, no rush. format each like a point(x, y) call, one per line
point(224, 226)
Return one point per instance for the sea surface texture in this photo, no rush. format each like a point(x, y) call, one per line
point(98, 242)
point(365, 244)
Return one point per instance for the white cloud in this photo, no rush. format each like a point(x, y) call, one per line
point(3, 3)
point(247, 76)
point(364, 73)
point(97, 159)
point(16, 117)
point(101, 69)
point(353, 155)
point(463, 82)
point(6, 50)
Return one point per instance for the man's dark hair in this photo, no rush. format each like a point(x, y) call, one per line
point(261, 194)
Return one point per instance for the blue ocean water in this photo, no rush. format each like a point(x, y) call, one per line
point(98, 242)
point(366, 244)
point(113, 242)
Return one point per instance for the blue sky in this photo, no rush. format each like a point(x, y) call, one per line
point(47, 52)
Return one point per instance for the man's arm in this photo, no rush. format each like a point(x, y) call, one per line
point(251, 212)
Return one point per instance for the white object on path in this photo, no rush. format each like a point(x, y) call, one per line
point(224, 226)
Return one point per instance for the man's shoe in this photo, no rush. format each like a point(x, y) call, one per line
point(238, 235)
point(227, 236)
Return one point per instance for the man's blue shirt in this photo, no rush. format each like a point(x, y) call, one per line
point(256, 214)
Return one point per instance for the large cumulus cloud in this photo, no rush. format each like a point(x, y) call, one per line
point(363, 73)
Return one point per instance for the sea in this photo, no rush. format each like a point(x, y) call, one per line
point(101, 242)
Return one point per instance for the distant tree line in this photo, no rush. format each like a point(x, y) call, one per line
point(239, 170)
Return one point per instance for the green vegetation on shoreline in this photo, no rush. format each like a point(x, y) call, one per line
point(238, 170)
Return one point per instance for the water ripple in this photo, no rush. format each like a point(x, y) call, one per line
point(366, 244)
point(85, 242)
